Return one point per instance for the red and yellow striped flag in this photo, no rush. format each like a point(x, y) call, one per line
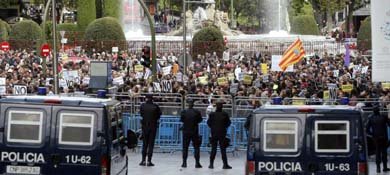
point(292, 55)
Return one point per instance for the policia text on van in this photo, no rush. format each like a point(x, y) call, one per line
point(306, 140)
point(61, 136)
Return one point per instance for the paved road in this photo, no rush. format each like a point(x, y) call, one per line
point(169, 164)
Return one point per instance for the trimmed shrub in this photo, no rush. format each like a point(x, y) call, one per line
point(4, 30)
point(26, 34)
point(208, 39)
point(86, 13)
point(112, 8)
point(304, 25)
point(103, 34)
point(364, 35)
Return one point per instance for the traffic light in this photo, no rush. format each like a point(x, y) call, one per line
point(146, 56)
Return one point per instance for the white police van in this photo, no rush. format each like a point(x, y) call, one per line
point(306, 140)
point(52, 135)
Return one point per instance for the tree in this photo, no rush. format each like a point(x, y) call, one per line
point(328, 8)
point(112, 8)
point(104, 33)
point(26, 34)
point(208, 39)
point(86, 13)
point(304, 25)
point(364, 36)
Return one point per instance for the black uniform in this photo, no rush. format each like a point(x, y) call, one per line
point(377, 127)
point(150, 114)
point(218, 122)
point(191, 119)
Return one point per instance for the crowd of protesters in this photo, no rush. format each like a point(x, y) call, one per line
point(309, 79)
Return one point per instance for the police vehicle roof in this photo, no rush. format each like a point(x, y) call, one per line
point(306, 109)
point(59, 100)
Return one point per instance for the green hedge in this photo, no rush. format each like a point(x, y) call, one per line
point(86, 13)
point(364, 35)
point(209, 39)
point(104, 33)
point(304, 25)
point(4, 30)
point(112, 8)
point(26, 34)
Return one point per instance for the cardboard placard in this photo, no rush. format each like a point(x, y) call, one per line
point(247, 79)
point(347, 88)
point(222, 81)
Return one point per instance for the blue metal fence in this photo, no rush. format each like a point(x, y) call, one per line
point(169, 136)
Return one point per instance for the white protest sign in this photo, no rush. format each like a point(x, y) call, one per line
point(226, 55)
point(364, 69)
point(139, 75)
point(2, 86)
point(380, 25)
point(336, 73)
point(233, 88)
point(118, 81)
point(2, 81)
point(147, 74)
point(86, 80)
point(71, 77)
point(166, 70)
point(19, 90)
point(48, 81)
point(115, 49)
point(275, 64)
point(62, 83)
point(179, 77)
point(64, 40)
point(166, 86)
point(156, 87)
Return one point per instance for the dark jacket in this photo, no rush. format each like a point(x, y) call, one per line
point(377, 126)
point(191, 118)
point(150, 114)
point(218, 123)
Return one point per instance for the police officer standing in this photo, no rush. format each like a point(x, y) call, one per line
point(218, 122)
point(377, 127)
point(191, 119)
point(150, 114)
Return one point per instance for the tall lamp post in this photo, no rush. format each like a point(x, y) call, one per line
point(153, 39)
point(185, 27)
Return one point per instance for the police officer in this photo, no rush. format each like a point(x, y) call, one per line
point(218, 122)
point(150, 114)
point(377, 127)
point(191, 119)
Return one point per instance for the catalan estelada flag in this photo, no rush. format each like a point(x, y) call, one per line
point(292, 55)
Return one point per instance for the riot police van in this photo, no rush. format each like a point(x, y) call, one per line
point(306, 140)
point(53, 135)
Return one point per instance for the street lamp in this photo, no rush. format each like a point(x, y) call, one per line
point(185, 27)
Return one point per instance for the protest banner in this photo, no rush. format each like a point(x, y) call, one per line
point(247, 79)
point(118, 81)
point(264, 69)
point(139, 68)
point(203, 80)
point(347, 88)
point(222, 81)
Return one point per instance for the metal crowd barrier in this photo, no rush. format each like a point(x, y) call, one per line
point(169, 135)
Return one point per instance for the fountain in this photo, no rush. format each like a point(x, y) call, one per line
point(136, 30)
point(132, 19)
